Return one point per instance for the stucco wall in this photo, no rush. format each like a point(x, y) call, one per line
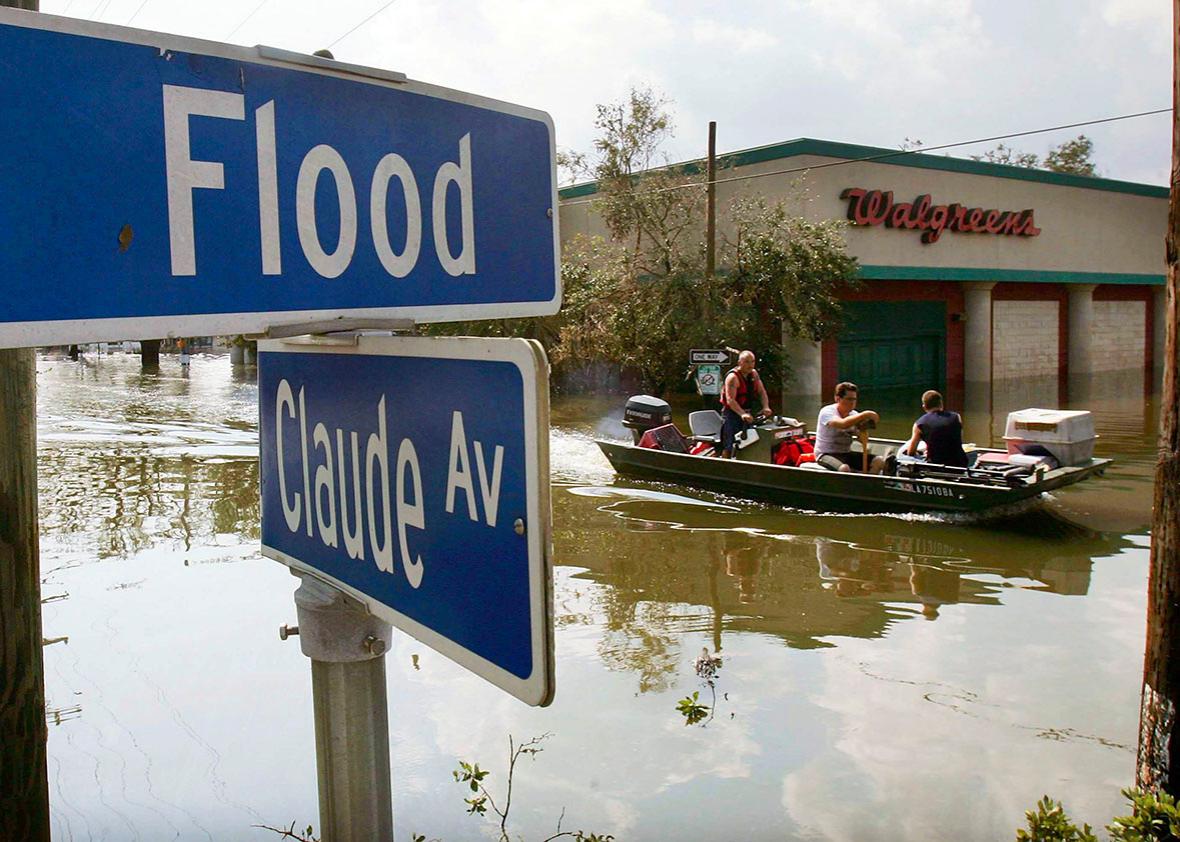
point(1119, 335)
point(1083, 230)
point(1025, 339)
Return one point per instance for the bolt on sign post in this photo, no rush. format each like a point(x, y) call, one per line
point(1158, 766)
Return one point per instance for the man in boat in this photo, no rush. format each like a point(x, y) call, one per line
point(736, 397)
point(834, 430)
point(941, 430)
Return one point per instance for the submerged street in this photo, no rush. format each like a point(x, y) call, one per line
point(891, 677)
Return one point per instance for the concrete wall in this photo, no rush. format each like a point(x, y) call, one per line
point(1118, 335)
point(1025, 339)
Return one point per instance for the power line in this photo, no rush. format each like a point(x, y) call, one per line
point(362, 23)
point(896, 154)
point(242, 22)
point(137, 11)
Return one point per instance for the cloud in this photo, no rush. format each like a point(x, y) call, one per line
point(742, 39)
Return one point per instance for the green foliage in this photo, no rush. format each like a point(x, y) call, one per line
point(1153, 817)
point(1049, 823)
point(1072, 156)
point(691, 709)
point(1007, 155)
point(470, 775)
point(640, 300)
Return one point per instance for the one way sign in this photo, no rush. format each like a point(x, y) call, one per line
point(703, 357)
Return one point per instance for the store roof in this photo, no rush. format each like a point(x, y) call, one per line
point(894, 157)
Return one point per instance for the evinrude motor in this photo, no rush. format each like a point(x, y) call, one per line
point(643, 412)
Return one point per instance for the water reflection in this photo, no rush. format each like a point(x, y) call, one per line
point(880, 672)
point(755, 569)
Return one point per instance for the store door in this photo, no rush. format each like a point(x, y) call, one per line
point(896, 347)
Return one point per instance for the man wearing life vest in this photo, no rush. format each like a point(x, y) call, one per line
point(741, 383)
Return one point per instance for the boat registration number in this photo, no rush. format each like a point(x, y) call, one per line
point(934, 490)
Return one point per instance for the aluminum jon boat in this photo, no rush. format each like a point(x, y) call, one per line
point(660, 452)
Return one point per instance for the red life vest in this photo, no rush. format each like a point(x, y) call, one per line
point(745, 388)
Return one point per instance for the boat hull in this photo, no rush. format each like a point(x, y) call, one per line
point(821, 490)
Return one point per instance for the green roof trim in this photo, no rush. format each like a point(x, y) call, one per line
point(897, 157)
point(1035, 276)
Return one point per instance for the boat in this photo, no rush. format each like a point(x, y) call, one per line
point(995, 478)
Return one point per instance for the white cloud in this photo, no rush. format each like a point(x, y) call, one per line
point(742, 39)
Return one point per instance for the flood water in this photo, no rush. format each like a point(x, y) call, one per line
point(881, 677)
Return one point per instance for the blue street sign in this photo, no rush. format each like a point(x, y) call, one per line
point(154, 185)
point(413, 474)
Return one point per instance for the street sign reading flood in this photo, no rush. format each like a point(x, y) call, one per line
point(155, 185)
point(413, 474)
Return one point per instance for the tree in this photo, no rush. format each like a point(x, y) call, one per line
point(639, 299)
point(1072, 156)
point(644, 295)
point(1007, 155)
point(641, 199)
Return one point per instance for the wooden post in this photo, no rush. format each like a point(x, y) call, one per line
point(149, 354)
point(24, 781)
point(1158, 766)
point(711, 202)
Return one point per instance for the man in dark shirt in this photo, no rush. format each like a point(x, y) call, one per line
point(941, 430)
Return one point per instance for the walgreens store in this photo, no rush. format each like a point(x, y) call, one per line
point(979, 279)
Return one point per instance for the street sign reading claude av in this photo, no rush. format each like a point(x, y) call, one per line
point(155, 185)
point(413, 474)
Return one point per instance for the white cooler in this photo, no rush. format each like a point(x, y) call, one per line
point(1067, 435)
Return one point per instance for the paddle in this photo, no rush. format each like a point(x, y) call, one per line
point(862, 433)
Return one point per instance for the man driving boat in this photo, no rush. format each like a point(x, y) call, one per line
point(834, 429)
point(736, 397)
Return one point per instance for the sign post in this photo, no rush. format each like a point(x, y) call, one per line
point(24, 798)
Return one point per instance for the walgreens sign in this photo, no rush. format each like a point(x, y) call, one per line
point(876, 207)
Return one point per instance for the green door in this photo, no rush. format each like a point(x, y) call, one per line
point(899, 346)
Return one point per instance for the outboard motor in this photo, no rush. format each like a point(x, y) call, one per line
point(643, 412)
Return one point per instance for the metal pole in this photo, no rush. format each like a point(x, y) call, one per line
point(24, 781)
point(347, 648)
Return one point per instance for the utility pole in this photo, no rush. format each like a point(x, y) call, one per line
point(24, 781)
point(711, 201)
point(1158, 766)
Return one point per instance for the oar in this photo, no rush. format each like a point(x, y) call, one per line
point(863, 434)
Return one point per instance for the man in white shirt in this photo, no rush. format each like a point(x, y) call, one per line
point(834, 429)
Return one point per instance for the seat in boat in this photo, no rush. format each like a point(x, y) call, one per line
point(705, 424)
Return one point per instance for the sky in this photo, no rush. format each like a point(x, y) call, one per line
point(874, 72)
